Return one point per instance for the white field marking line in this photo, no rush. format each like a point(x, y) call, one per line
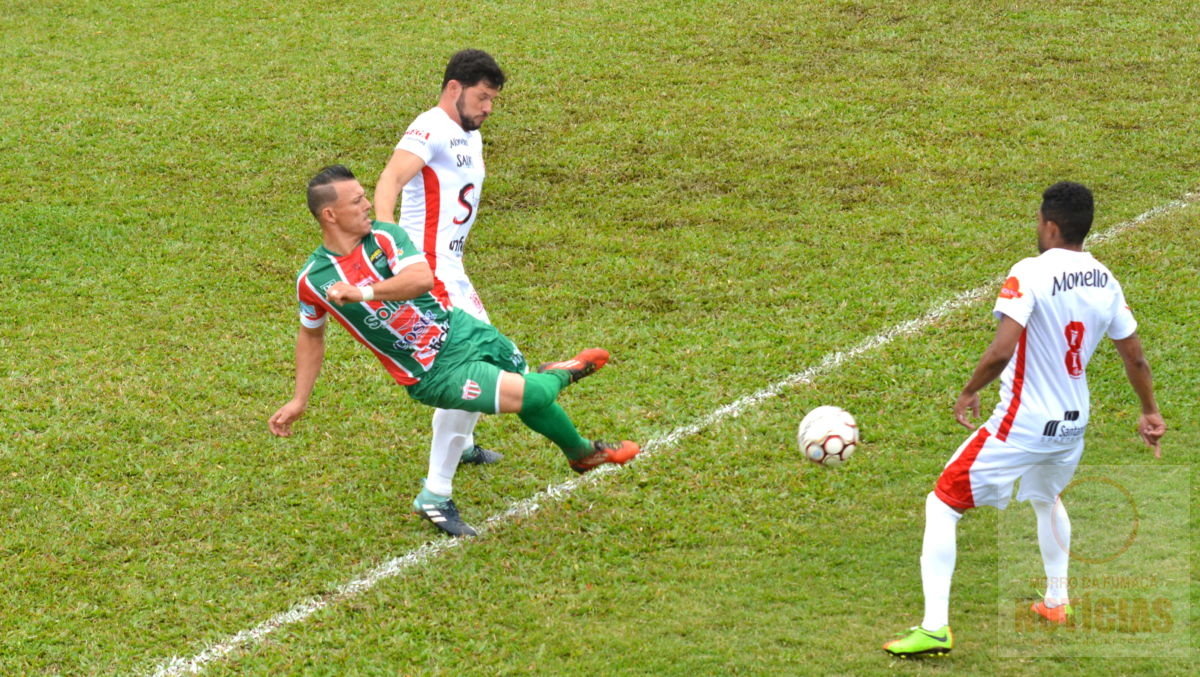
point(529, 506)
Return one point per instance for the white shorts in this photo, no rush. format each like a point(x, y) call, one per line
point(984, 470)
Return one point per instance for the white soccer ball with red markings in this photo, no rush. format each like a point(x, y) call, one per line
point(828, 435)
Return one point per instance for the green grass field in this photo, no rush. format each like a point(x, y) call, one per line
point(721, 193)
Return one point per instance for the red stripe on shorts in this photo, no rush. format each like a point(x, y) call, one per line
point(954, 485)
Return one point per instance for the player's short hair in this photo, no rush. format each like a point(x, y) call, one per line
point(1069, 205)
point(472, 66)
point(320, 188)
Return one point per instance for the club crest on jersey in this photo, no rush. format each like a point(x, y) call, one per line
point(1011, 289)
point(471, 390)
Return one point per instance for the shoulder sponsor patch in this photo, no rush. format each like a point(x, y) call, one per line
point(1011, 289)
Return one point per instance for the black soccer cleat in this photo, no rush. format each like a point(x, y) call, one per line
point(444, 515)
point(477, 455)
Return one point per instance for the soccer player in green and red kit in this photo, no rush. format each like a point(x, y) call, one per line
point(372, 279)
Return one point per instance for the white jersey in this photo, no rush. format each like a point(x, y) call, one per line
point(1066, 301)
point(438, 206)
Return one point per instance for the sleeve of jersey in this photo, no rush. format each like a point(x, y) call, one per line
point(312, 315)
point(1123, 323)
point(1015, 300)
point(419, 141)
point(395, 242)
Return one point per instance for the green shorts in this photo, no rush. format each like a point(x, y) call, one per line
point(466, 373)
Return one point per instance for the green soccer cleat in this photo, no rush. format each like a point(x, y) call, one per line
point(920, 642)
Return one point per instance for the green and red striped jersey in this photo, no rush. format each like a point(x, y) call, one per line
point(405, 335)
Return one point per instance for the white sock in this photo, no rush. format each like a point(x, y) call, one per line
point(938, 551)
point(1054, 539)
point(453, 433)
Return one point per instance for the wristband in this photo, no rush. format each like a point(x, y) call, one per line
point(368, 293)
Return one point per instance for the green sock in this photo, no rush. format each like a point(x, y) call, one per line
point(544, 416)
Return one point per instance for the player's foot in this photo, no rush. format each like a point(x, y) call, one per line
point(920, 642)
point(585, 363)
point(1059, 614)
point(605, 453)
point(477, 455)
point(442, 512)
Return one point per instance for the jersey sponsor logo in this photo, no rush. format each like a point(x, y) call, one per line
point(455, 143)
point(1062, 429)
point(456, 245)
point(1090, 278)
point(467, 200)
point(464, 161)
point(308, 311)
point(1011, 289)
point(471, 390)
point(419, 133)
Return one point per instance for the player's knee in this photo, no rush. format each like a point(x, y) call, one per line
point(540, 392)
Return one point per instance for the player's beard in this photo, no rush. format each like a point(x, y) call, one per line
point(468, 124)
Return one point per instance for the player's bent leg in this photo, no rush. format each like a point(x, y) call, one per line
point(543, 415)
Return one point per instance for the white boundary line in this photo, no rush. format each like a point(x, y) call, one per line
point(528, 506)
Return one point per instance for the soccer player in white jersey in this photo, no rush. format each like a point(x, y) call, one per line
point(1053, 309)
point(438, 164)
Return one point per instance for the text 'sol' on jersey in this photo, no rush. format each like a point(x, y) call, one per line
point(405, 335)
point(1066, 301)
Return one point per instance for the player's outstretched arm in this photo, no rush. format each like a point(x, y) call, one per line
point(400, 169)
point(991, 365)
point(1151, 426)
point(310, 353)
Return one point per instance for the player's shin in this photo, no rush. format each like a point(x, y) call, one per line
point(1054, 539)
point(938, 554)
point(451, 434)
point(544, 416)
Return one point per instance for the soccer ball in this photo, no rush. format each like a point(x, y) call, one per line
point(828, 435)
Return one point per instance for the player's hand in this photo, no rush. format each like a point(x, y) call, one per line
point(342, 292)
point(281, 421)
point(1152, 427)
point(965, 408)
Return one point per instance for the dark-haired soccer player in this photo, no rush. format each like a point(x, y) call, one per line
point(1053, 310)
point(438, 164)
point(371, 279)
